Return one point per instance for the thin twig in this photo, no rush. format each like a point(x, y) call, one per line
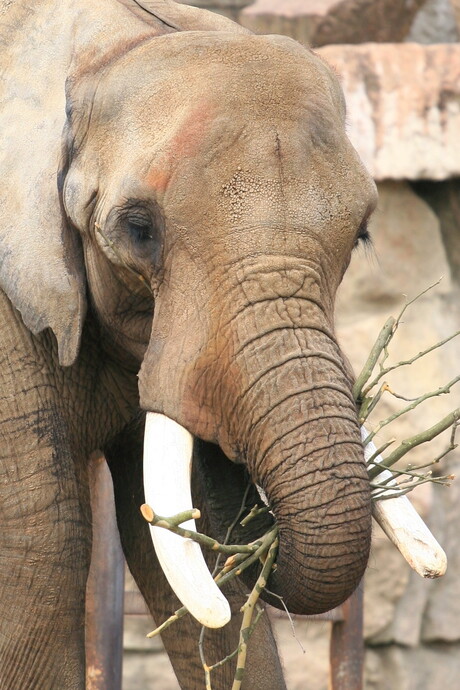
point(415, 403)
point(172, 525)
point(248, 612)
point(382, 339)
point(416, 440)
point(180, 613)
point(407, 362)
point(288, 614)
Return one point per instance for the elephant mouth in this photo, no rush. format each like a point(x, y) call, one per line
point(219, 485)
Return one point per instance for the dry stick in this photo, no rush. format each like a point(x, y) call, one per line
point(180, 613)
point(267, 544)
point(370, 403)
point(452, 446)
point(415, 403)
point(386, 491)
point(289, 616)
point(401, 314)
point(414, 441)
point(233, 525)
point(407, 362)
point(379, 451)
point(172, 525)
point(266, 540)
point(409, 473)
point(382, 340)
point(414, 299)
point(381, 345)
point(248, 612)
point(254, 512)
point(208, 669)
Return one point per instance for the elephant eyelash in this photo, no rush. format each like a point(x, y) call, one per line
point(363, 236)
point(138, 223)
point(140, 230)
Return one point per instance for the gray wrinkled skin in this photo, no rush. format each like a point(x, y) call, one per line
point(179, 203)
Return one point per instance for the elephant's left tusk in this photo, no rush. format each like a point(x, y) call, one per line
point(167, 460)
point(405, 528)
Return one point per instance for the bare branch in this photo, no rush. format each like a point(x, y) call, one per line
point(382, 339)
point(415, 403)
point(407, 362)
point(416, 440)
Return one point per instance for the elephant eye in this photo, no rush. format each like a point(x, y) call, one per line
point(140, 230)
point(363, 235)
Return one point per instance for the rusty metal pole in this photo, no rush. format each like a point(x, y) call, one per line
point(347, 646)
point(105, 587)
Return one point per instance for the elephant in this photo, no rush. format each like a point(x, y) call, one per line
point(179, 204)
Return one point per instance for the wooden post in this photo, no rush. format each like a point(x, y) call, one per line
point(347, 645)
point(105, 587)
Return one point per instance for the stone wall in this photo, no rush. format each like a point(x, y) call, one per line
point(322, 22)
point(403, 102)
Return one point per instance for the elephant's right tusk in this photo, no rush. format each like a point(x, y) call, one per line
point(167, 460)
point(405, 528)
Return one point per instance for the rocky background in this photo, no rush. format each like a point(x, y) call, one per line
point(399, 62)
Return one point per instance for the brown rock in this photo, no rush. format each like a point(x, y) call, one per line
point(435, 23)
point(403, 107)
point(456, 7)
point(321, 22)
point(428, 667)
point(408, 255)
point(444, 199)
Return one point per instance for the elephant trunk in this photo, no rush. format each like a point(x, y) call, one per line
point(303, 447)
point(320, 499)
point(268, 384)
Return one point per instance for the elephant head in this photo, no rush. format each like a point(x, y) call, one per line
point(209, 196)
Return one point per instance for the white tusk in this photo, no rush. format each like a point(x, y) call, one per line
point(404, 526)
point(167, 464)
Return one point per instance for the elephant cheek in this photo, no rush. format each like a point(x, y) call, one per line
point(165, 383)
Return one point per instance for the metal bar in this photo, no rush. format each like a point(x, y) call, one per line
point(105, 587)
point(347, 646)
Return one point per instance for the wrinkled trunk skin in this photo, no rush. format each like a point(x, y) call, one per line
point(317, 486)
point(302, 445)
point(272, 389)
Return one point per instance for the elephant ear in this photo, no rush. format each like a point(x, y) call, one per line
point(185, 18)
point(41, 265)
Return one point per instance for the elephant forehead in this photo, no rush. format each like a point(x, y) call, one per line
point(294, 201)
point(185, 139)
point(256, 75)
